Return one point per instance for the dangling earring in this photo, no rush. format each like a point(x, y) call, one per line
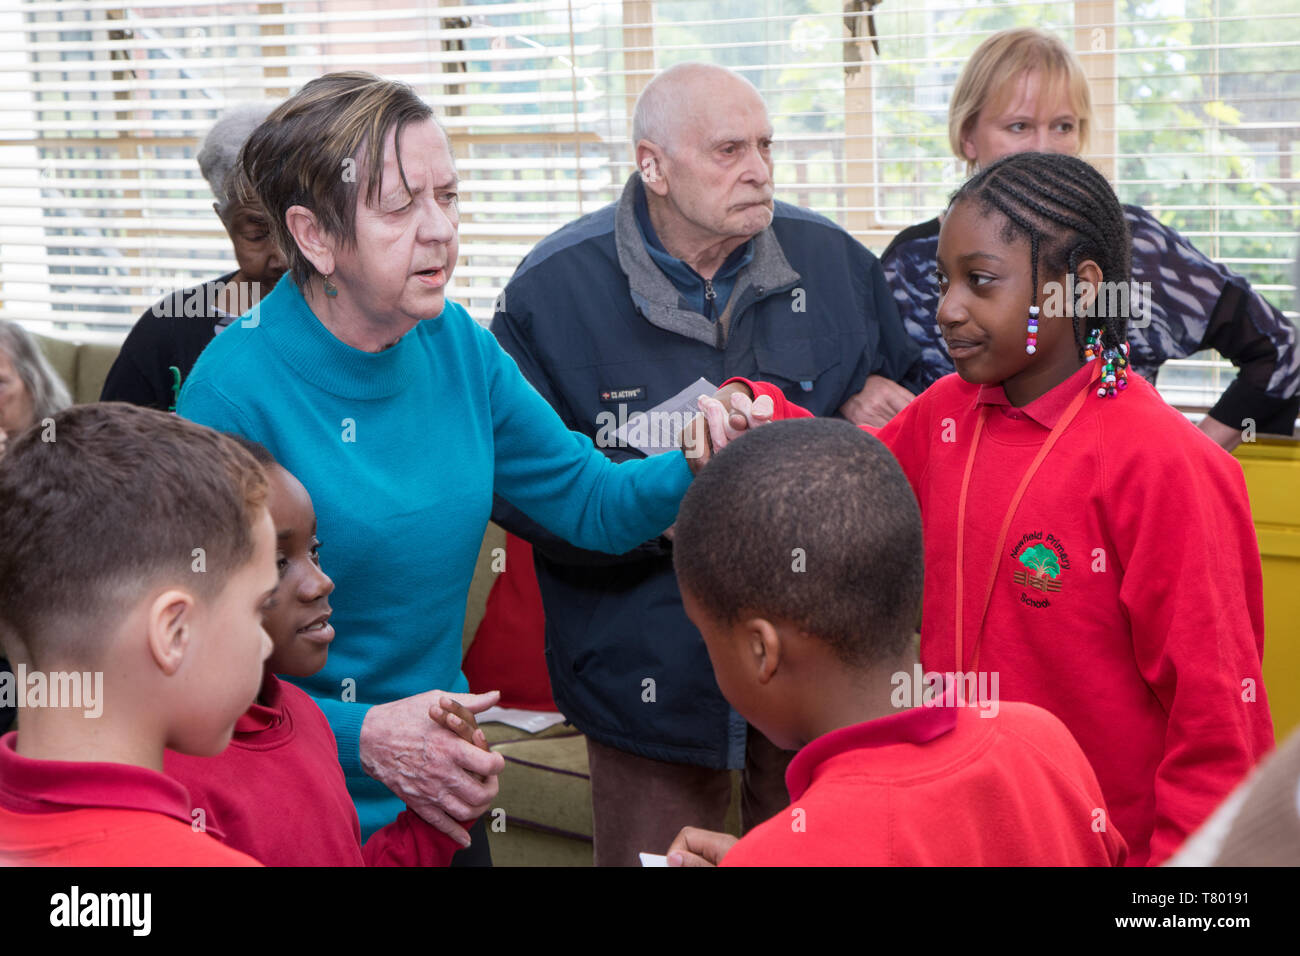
point(1114, 373)
point(331, 290)
point(1031, 340)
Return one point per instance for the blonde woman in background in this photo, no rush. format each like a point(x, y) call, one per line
point(1024, 90)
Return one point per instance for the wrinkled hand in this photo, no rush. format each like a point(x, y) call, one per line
point(696, 847)
point(724, 416)
point(878, 402)
point(437, 773)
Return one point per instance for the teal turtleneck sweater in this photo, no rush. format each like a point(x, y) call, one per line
point(401, 451)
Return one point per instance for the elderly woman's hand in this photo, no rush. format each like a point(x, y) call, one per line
point(440, 776)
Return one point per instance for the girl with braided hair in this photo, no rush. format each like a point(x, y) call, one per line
point(1025, 90)
point(1083, 541)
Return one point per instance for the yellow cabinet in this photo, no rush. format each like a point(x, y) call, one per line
point(1272, 468)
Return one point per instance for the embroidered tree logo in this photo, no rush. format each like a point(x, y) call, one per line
point(1041, 561)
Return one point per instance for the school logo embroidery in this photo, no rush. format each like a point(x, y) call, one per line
point(1045, 559)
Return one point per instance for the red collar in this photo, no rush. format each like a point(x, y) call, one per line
point(917, 725)
point(262, 717)
point(55, 786)
point(1047, 408)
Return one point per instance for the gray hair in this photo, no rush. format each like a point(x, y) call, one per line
point(221, 148)
point(663, 102)
point(49, 394)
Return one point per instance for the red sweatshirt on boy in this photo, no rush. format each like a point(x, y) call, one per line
point(278, 793)
point(75, 813)
point(939, 786)
point(1127, 598)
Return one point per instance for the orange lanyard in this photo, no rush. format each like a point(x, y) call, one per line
point(1075, 404)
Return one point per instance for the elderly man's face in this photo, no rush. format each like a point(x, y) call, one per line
point(719, 165)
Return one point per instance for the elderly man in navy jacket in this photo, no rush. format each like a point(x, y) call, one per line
point(695, 273)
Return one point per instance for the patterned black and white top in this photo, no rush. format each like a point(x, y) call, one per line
point(1196, 304)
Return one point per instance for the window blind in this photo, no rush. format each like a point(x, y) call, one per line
point(103, 105)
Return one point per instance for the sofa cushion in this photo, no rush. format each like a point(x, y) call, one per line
point(62, 356)
point(93, 362)
point(83, 366)
point(481, 584)
point(545, 786)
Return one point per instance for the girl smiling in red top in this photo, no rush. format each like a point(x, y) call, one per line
point(1082, 538)
point(278, 793)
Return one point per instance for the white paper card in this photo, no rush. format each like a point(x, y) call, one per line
point(655, 431)
point(533, 721)
point(653, 859)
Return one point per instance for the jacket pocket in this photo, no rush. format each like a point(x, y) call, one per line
point(799, 363)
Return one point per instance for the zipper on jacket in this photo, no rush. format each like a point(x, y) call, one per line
point(709, 297)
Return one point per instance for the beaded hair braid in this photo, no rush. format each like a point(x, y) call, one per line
point(1069, 213)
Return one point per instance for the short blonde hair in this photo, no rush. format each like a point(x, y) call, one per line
point(1001, 59)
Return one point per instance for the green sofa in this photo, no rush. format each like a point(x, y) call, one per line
point(83, 366)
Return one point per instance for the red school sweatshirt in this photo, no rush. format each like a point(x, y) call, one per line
point(78, 813)
point(1127, 599)
point(939, 786)
point(278, 793)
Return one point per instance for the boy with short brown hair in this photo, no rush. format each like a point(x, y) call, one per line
point(135, 551)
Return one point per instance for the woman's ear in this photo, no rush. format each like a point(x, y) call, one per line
point(311, 239)
point(1087, 280)
point(170, 622)
point(968, 141)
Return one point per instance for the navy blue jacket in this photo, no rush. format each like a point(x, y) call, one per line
point(593, 322)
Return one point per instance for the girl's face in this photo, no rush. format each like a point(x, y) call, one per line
point(1030, 116)
point(984, 308)
point(298, 620)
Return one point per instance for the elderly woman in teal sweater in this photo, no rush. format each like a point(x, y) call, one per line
point(401, 416)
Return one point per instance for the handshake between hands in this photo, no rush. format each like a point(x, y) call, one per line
point(428, 749)
point(724, 417)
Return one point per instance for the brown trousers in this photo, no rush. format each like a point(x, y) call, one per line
point(639, 804)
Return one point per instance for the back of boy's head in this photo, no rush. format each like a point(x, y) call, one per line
point(811, 523)
point(1068, 213)
point(113, 505)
